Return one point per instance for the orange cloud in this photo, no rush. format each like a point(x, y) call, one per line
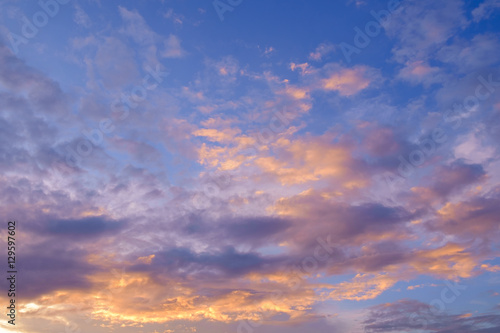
point(477, 217)
point(215, 135)
point(362, 287)
point(450, 261)
point(418, 71)
point(297, 93)
point(347, 81)
point(134, 299)
point(304, 160)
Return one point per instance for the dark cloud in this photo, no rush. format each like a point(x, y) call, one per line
point(315, 216)
point(473, 218)
point(32, 109)
point(410, 316)
point(252, 231)
point(225, 264)
point(50, 266)
point(44, 94)
point(376, 257)
point(448, 179)
point(86, 227)
point(344, 225)
point(255, 228)
point(445, 181)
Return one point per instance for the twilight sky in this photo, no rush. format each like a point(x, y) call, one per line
point(251, 166)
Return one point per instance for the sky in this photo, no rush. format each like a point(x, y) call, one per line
point(251, 166)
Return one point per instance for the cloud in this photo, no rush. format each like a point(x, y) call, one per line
point(172, 48)
point(332, 77)
point(447, 180)
point(136, 27)
point(115, 72)
point(313, 159)
point(410, 315)
point(420, 72)
point(322, 51)
point(358, 3)
point(162, 298)
point(350, 225)
point(81, 17)
point(422, 27)
point(469, 219)
point(381, 141)
point(19, 78)
point(228, 66)
point(42, 264)
point(251, 231)
point(485, 10)
point(473, 147)
point(451, 261)
point(174, 17)
point(256, 229)
point(225, 264)
point(152, 43)
point(87, 227)
point(362, 287)
point(215, 135)
point(305, 68)
point(347, 82)
point(472, 54)
point(421, 286)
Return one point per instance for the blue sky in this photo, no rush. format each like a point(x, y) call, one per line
point(252, 166)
